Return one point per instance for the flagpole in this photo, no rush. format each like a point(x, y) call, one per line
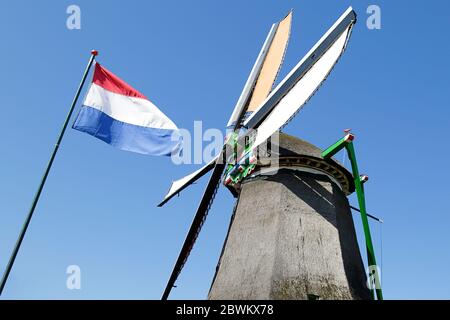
point(46, 172)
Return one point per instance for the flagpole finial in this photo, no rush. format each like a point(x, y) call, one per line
point(94, 52)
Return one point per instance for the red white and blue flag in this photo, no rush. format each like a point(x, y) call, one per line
point(121, 116)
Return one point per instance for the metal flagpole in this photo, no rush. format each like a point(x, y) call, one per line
point(44, 177)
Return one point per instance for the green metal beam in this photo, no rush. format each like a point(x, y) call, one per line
point(362, 207)
point(337, 146)
point(347, 143)
point(333, 149)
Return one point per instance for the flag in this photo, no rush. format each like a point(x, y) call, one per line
point(121, 116)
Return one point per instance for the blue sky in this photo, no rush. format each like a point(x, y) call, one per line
point(191, 58)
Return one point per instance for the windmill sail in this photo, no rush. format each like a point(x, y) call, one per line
point(196, 226)
point(272, 64)
point(178, 185)
point(309, 77)
point(264, 71)
point(256, 89)
point(324, 54)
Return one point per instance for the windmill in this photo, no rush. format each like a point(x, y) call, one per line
point(260, 112)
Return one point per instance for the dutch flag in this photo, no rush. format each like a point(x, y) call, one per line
point(121, 116)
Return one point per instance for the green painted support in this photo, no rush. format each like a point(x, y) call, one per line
point(337, 146)
point(347, 143)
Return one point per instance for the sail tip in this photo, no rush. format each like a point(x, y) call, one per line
point(350, 10)
point(289, 14)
